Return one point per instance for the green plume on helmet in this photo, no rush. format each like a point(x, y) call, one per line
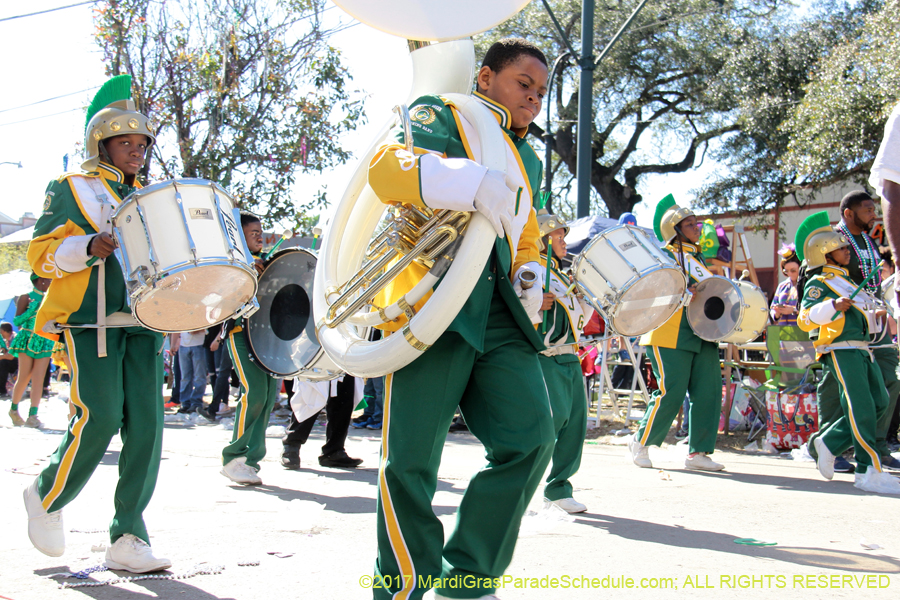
point(810, 225)
point(116, 89)
point(661, 207)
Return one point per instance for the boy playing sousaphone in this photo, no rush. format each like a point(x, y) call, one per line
point(486, 362)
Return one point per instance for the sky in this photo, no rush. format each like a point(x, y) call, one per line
point(58, 67)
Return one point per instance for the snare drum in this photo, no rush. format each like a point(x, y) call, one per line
point(281, 335)
point(186, 264)
point(629, 280)
point(723, 310)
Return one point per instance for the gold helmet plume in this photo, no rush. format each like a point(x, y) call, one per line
point(112, 113)
point(667, 216)
point(815, 238)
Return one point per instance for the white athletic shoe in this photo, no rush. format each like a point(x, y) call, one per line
point(873, 481)
point(131, 553)
point(33, 422)
point(238, 471)
point(702, 462)
point(639, 453)
point(570, 505)
point(825, 462)
point(45, 530)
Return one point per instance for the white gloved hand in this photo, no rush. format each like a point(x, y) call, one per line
point(496, 201)
point(532, 298)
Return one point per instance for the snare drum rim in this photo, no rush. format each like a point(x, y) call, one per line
point(302, 372)
point(160, 185)
point(138, 296)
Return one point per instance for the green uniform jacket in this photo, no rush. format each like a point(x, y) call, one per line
point(817, 308)
point(58, 250)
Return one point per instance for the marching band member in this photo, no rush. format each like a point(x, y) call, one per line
point(681, 361)
point(845, 327)
point(562, 370)
point(117, 371)
point(240, 458)
point(486, 361)
point(858, 216)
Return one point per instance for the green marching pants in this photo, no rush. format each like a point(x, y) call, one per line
point(251, 416)
point(828, 398)
point(502, 395)
point(568, 401)
point(119, 393)
point(678, 372)
point(863, 401)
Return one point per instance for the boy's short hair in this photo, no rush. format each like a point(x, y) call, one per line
point(7, 327)
point(854, 199)
point(248, 218)
point(508, 50)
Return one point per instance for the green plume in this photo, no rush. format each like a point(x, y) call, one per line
point(661, 207)
point(117, 88)
point(543, 199)
point(810, 224)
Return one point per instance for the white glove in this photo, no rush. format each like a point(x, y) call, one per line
point(532, 298)
point(496, 201)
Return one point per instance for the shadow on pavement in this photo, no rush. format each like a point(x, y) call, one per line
point(680, 537)
point(843, 488)
point(160, 588)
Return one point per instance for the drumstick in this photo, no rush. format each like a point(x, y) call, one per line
point(547, 284)
point(861, 286)
point(284, 236)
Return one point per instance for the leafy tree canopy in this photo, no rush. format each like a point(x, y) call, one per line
point(246, 93)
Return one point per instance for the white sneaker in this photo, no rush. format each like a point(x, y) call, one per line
point(131, 553)
point(33, 422)
point(873, 481)
point(238, 471)
point(639, 453)
point(702, 462)
point(825, 462)
point(45, 530)
point(570, 505)
point(17, 419)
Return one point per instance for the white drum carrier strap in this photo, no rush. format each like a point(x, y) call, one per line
point(696, 269)
point(106, 208)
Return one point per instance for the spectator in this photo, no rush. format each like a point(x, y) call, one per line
point(784, 303)
point(33, 352)
point(8, 363)
point(192, 359)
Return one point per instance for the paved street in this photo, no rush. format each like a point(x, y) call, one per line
point(311, 534)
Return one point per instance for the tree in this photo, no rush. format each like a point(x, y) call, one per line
point(245, 93)
point(12, 257)
point(837, 128)
point(668, 90)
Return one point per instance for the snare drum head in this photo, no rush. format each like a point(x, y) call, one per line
point(281, 334)
point(648, 302)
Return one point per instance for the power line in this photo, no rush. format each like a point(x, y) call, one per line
point(42, 117)
point(49, 10)
point(49, 99)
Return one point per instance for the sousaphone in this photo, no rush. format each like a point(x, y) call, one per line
point(455, 246)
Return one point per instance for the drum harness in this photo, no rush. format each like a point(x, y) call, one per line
point(118, 319)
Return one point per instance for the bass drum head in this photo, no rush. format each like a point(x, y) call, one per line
point(281, 335)
point(715, 310)
point(889, 296)
point(648, 302)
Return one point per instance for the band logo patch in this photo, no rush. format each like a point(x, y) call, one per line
point(815, 293)
point(423, 114)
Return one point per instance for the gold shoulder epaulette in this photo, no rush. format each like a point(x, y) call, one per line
point(68, 174)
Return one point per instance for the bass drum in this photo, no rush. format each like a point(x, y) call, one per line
point(890, 296)
point(281, 335)
point(723, 310)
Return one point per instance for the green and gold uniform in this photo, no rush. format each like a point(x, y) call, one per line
point(116, 389)
point(486, 362)
point(886, 357)
point(259, 390)
point(683, 363)
point(565, 384)
point(843, 347)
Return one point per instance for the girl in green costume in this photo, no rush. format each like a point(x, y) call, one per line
point(33, 353)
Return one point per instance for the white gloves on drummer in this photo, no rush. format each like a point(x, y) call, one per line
point(496, 201)
point(532, 298)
